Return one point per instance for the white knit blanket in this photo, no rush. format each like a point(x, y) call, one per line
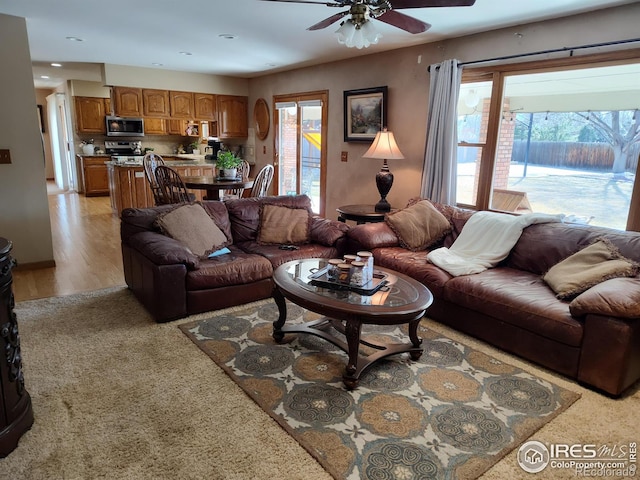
point(485, 240)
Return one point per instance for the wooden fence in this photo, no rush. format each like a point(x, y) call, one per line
point(589, 156)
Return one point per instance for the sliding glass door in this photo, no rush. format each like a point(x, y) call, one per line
point(301, 146)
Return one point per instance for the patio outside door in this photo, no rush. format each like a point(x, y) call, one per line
point(300, 166)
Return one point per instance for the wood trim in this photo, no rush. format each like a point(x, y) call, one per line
point(620, 57)
point(35, 265)
point(633, 220)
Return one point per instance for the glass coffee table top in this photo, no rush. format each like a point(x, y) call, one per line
point(397, 291)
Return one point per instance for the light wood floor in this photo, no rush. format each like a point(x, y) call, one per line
point(86, 246)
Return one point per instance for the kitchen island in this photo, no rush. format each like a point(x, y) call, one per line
point(128, 186)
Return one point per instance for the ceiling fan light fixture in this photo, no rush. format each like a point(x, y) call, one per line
point(359, 36)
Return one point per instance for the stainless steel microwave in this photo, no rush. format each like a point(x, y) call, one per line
point(125, 127)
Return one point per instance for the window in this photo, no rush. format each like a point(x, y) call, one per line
point(554, 141)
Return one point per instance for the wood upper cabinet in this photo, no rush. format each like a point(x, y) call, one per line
point(155, 103)
point(155, 126)
point(205, 106)
point(128, 101)
point(181, 104)
point(90, 114)
point(232, 116)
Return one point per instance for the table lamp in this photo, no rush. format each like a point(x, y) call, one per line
point(384, 146)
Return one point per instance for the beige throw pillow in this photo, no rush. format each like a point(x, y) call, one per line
point(192, 226)
point(418, 226)
point(283, 225)
point(594, 264)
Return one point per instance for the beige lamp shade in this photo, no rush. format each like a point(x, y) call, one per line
point(384, 146)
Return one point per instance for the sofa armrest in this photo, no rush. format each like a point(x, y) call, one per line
point(326, 232)
point(617, 297)
point(372, 235)
point(163, 250)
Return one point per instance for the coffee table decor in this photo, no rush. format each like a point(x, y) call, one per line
point(451, 414)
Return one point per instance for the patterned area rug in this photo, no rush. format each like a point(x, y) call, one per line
point(450, 415)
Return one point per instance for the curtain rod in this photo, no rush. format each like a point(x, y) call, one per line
point(543, 52)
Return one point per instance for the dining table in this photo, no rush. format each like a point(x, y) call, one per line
point(215, 186)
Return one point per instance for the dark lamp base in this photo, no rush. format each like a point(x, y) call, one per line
point(383, 206)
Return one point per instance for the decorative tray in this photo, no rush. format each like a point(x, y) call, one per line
point(320, 279)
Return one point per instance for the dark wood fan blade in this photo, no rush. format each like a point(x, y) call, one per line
point(405, 22)
point(328, 21)
point(430, 3)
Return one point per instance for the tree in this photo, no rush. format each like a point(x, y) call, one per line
point(621, 129)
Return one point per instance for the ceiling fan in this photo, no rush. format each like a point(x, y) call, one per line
point(384, 10)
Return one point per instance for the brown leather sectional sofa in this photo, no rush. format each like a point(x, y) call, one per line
point(171, 282)
point(594, 338)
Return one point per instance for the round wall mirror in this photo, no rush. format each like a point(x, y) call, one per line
point(261, 118)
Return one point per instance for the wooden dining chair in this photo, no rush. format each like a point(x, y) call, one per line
point(262, 182)
point(171, 187)
point(150, 162)
point(243, 172)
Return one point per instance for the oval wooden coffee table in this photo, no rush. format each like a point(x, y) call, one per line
point(402, 301)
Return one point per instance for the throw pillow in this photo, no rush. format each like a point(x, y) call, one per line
point(281, 225)
point(596, 263)
point(193, 227)
point(418, 226)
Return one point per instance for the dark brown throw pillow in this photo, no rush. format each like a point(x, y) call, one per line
point(594, 264)
point(418, 226)
point(280, 225)
point(192, 226)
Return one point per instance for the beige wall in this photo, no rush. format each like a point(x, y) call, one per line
point(173, 80)
point(408, 82)
point(24, 209)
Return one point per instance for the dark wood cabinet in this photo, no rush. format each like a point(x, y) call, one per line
point(181, 105)
point(16, 414)
point(232, 116)
point(128, 101)
point(205, 106)
point(95, 181)
point(90, 114)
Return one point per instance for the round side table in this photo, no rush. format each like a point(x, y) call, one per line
point(360, 214)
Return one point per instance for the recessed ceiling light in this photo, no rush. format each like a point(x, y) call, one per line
point(75, 39)
point(228, 36)
point(186, 53)
point(155, 64)
point(44, 76)
point(56, 64)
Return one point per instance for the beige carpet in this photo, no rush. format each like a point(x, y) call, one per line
point(117, 396)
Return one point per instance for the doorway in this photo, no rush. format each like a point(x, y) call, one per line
point(301, 146)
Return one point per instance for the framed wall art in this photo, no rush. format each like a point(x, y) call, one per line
point(365, 113)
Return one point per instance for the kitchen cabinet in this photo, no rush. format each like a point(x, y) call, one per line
point(129, 187)
point(16, 412)
point(155, 103)
point(232, 116)
point(155, 126)
point(181, 105)
point(95, 180)
point(205, 106)
point(176, 127)
point(128, 101)
point(90, 114)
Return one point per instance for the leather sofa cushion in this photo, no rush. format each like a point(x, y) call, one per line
point(326, 232)
point(519, 298)
point(235, 268)
point(618, 297)
point(413, 264)
point(163, 250)
point(541, 246)
point(244, 213)
point(277, 257)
